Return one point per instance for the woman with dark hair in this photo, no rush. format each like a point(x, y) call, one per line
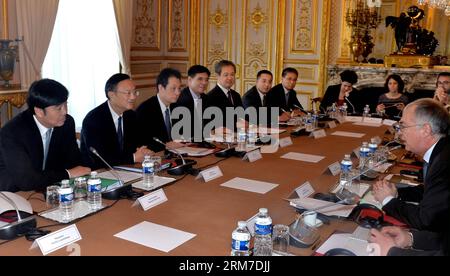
point(394, 101)
point(343, 93)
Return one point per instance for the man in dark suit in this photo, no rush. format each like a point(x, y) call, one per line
point(38, 147)
point(223, 96)
point(257, 96)
point(112, 127)
point(154, 115)
point(343, 93)
point(284, 96)
point(193, 98)
point(424, 128)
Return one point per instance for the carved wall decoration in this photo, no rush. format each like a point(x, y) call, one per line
point(258, 17)
point(147, 25)
point(178, 24)
point(219, 18)
point(304, 26)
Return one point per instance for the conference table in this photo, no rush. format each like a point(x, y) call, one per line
point(211, 211)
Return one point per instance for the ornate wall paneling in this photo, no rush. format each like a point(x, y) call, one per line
point(305, 45)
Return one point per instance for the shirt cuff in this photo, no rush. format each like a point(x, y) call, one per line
point(387, 200)
point(134, 158)
point(68, 173)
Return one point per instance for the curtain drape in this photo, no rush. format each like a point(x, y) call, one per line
point(35, 23)
point(124, 17)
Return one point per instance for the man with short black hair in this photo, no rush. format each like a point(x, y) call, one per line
point(154, 115)
point(284, 96)
point(257, 95)
point(193, 98)
point(112, 128)
point(38, 147)
point(223, 96)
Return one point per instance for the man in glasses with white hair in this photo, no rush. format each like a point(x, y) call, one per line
point(424, 131)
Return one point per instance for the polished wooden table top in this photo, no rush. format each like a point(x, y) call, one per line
point(211, 211)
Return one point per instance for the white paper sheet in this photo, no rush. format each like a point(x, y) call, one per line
point(159, 182)
point(124, 175)
point(367, 124)
point(303, 157)
point(155, 236)
point(250, 185)
point(311, 203)
point(345, 241)
point(191, 151)
point(348, 134)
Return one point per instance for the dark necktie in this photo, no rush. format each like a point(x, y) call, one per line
point(48, 138)
point(287, 100)
point(264, 102)
point(230, 97)
point(120, 133)
point(425, 169)
point(168, 124)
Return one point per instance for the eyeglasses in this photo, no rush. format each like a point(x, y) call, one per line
point(129, 93)
point(400, 126)
point(443, 83)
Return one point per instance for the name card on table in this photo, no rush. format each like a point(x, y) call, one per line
point(57, 240)
point(286, 142)
point(151, 200)
point(356, 152)
point(319, 134)
point(354, 119)
point(253, 156)
point(334, 169)
point(210, 174)
point(305, 190)
point(370, 120)
point(331, 124)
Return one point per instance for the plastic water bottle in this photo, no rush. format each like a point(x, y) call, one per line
point(241, 139)
point(94, 192)
point(373, 147)
point(309, 123)
point(345, 179)
point(366, 111)
point(240, 240)
point(333, 111)
point(263, 234)
point(252, 136)
point(66, 201)
point(315, 118)
point(344, 110)
point(148, 172)
point(364, 153)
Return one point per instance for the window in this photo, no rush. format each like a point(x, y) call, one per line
point(83, 52)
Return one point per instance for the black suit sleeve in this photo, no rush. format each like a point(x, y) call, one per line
point(432, 211)
point(21, 174)
point(327, 99)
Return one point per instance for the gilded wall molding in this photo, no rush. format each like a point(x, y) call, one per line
point(178, 25)
point(147, 26)
point(304, 27)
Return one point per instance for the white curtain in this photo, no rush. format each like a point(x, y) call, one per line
point(124, 17)
point(83, 52)
point(35, 22)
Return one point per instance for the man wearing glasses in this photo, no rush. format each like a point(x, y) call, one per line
point(112, 128)
point(443, 89)
point(423, 128)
